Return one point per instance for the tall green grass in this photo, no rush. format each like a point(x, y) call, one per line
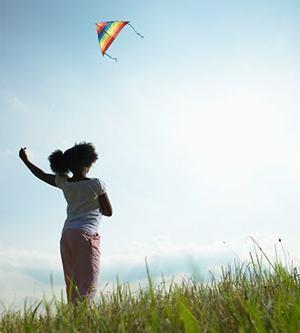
point(246, 297)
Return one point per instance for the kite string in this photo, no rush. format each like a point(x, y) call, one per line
point(115, 59)
point(135, 30)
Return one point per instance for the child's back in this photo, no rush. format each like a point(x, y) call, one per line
point(87, 201)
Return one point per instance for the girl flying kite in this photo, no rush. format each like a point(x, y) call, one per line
point(87, 201)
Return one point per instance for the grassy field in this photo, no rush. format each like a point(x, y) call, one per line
point(247, 297)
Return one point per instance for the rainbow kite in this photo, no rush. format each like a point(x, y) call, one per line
point(108, 31)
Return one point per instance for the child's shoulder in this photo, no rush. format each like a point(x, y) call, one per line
point(100, 185)
point(60, 180)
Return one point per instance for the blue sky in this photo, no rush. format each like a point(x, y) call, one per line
point(196, 125)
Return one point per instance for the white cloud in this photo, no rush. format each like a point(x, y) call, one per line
point(16, 287)
point(7, 152)
point(27, 258)
point(236, 135)
point(16, 104)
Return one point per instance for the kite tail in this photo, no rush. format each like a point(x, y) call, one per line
point(135, 31)
point(115, 59)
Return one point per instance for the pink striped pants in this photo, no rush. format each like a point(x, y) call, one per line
point(80, 256)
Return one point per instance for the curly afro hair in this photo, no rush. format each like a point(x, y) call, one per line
point(79, 156)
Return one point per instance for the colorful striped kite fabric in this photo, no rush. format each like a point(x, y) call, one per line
point(107, 32)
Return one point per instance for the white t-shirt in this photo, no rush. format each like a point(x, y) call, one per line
point(83, 207)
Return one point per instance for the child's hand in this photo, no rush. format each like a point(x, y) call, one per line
point(23, 155)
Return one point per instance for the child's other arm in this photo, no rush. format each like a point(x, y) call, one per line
point(105, 205)
point(46, 177)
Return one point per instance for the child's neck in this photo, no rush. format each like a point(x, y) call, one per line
point(76, 178)
point(79, 175)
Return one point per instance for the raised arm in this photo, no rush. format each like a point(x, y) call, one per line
point(40, 174)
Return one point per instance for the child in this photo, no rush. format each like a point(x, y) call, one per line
point(86, 200)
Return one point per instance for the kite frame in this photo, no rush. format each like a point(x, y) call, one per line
point(127, 23)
